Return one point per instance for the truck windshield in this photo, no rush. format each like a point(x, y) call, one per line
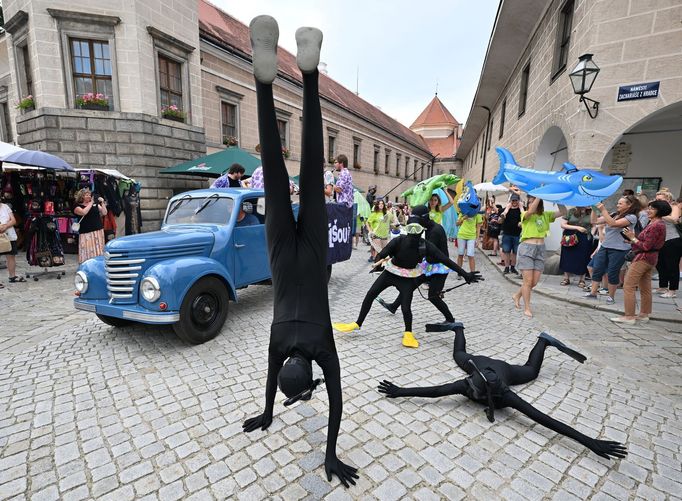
point(198, 211)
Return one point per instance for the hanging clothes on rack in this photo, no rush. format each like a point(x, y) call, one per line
point(44, 245)
point(132, 209)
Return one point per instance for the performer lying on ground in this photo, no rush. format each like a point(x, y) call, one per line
point(488, 383)
point(301, 328)
point(436, 273)
point(402, 272)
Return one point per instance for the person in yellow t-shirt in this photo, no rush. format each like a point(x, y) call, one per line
point(378, 226)
point(530, 259)
point(436, 210)
point(467, 238)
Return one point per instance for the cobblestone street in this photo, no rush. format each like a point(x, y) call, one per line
point(89, 411)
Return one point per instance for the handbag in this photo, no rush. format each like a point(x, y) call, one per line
point(569, 240)
point(5, 244)
point(75, 227)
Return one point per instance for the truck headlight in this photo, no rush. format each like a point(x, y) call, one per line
point(81, 282)
point(150, 289)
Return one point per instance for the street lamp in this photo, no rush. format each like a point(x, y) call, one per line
point(582, 78)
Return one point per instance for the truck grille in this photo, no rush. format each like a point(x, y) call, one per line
point(122, 276)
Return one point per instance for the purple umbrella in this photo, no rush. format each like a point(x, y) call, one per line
point(20, 156)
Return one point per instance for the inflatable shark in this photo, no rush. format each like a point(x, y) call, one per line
point(468, 203)
point(569, 186)
point(421, 192)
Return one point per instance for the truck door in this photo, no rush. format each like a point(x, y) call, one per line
point(251, 250)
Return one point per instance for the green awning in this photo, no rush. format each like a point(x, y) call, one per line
point(216, 164)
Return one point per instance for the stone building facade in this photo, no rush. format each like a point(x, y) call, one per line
point(535, 113)
point(58, 50)
point(145, 55)
point(381, 151)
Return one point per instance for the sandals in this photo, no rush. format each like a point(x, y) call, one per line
point(16, 279)
point(565, 281)
point(2, 286)
point(581, 284)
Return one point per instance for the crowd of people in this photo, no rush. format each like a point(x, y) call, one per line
point(601, 251)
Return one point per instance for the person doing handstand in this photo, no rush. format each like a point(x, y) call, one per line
point(488, 383)
point(301, 328)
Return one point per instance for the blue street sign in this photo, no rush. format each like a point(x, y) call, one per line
point(638, 91)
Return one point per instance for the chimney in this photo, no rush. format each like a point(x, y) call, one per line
point(322, 68)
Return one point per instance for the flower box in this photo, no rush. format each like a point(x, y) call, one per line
point(26, 104)
point(175, 118)
point(94, 106)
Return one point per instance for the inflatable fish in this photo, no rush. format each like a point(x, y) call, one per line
point(449, 221)
point(421, 192)
point(569, 186)
point(468, 203)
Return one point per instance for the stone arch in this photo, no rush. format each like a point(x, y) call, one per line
point(552, 151)
point(649, 149)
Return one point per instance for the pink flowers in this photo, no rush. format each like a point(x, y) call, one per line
point(173, 112)
point(92, 99)
point(26, 103)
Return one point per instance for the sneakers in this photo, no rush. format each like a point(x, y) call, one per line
point(264, 35)
point(308, 41)
point(589, 295)
point(623, 320)
point(610, 300)
point(506, 270)
point(603, 291)
point(346, 327)
point(514, 271)
point(409, 341)
point(642, 319)
point(669, 294)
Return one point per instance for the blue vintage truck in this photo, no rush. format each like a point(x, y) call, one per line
point(186, 273)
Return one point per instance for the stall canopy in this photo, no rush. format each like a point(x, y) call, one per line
point(108, 172)
point(31, 158)
point(216, 164)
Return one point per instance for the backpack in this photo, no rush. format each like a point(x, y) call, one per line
point(638, 227)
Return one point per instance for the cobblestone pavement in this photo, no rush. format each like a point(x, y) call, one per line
point(88, 411)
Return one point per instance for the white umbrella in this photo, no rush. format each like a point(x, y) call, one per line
point(489, 187)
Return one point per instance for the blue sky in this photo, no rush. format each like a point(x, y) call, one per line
point(399, 48)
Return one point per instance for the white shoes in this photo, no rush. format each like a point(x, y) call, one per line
point(623, 320)
point(309, 42)
point(264, 36)
point(669, 294)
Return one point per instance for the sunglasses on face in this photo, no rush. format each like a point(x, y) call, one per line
point(305, 394)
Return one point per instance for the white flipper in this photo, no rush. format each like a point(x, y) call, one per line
point(309, 42)
point(264, 36)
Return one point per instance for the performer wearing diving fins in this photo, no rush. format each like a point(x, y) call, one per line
point(488, 383)
point(402, 272)
point(301, 327)
point(435, 234)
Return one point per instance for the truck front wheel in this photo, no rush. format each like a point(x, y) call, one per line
point(203, 311)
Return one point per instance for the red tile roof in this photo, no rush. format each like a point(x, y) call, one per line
point(226, 31)
point(444, 147)
point(435, 113)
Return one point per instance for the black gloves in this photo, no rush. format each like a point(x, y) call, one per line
point(261, 421)
point(607, 449)
point(389, 389)
point(347, 474)
point(472, 277)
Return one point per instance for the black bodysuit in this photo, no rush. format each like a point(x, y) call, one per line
point(405, 253)
point(506, 375)
point(298, 256)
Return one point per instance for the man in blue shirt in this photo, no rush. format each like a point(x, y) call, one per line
point(245, 217)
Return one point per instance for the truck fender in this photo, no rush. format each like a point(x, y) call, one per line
point(176, 276)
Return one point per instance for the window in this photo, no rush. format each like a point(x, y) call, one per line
point(503, 114)
point(387, 159)
point(563, 38)
point(476, 153)
point(91, 67)
point(282, 128)
point(170, 82)
point(397, 164)
point(407, 167)
point(422, 171)
point(416, 166)
point(376, 159)
point(27, 70)
point(356, 153)
point(490, 132)
point(88, 42)
point(331, 148)
point(228, 112)
point(6, 124)
point(523, 91)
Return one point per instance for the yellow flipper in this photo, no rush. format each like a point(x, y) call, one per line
point(409, 340)
point(346, 327)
